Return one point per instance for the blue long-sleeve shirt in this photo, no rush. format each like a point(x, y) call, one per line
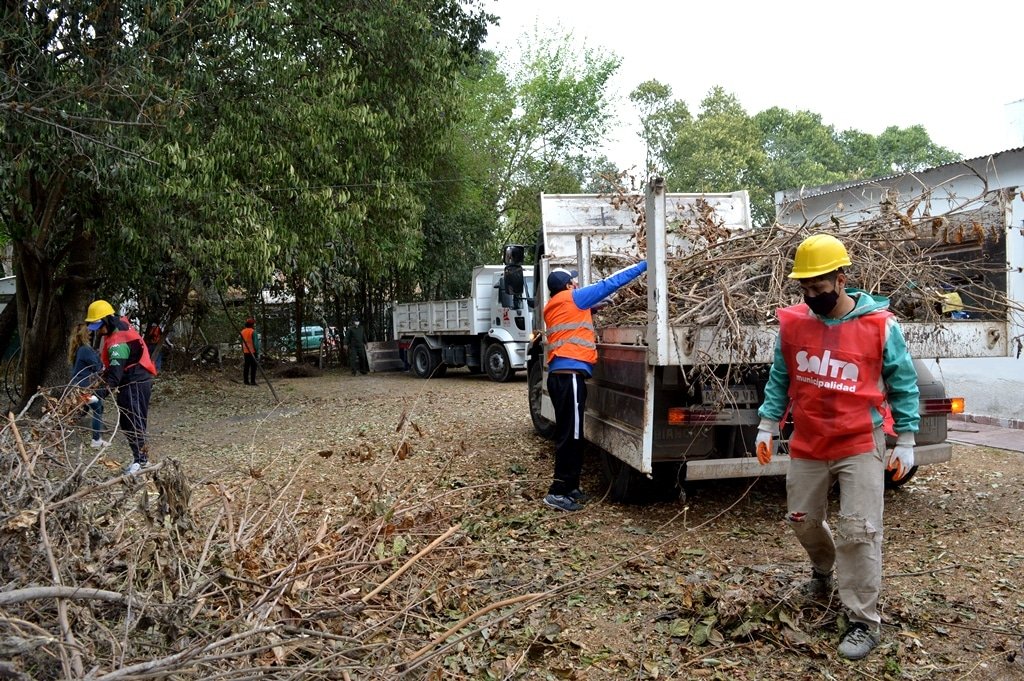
point(87, 366)
point(587, 298)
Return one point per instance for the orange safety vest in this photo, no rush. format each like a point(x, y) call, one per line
point(126, 336)
point(835, 379)
point(248, 347)
point(570, 330)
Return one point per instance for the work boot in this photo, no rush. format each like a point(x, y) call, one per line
point(819, 586)
point(858, 641)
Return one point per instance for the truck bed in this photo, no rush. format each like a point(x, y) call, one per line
point(434, 317)
point(685, 345)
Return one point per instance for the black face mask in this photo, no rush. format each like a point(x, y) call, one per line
point(823, 303)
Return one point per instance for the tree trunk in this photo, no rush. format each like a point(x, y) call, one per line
point(52, 294)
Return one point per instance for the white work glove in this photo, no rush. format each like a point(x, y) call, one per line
point(901, 459)
point(92, 400)
point(766, 430)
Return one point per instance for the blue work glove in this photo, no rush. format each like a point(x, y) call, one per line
point(901, 459)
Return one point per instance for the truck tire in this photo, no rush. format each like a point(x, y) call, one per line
point(541, 425)
point(626, 485)
point(425, 362)
point(499, 368)
point(892, 483)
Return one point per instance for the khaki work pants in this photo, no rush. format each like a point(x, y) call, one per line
point(856, 549)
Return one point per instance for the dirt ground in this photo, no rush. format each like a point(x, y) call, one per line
point(698, 588)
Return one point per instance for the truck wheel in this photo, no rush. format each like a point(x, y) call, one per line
point(892, 482)
point(627, 485)
point(499, 369)
point(543, 426)
point(425, 361)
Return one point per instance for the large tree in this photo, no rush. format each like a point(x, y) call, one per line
point(213, 142)
point(533, 119)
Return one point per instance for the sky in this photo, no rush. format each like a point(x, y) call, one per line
point(868, 65)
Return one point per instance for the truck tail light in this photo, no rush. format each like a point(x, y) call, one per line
point(942, 405)
point(684, 416)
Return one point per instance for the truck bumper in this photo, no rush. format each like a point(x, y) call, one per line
point(716, 469)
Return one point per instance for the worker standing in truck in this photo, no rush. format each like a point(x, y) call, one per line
point(840, 356)
point(571, 346)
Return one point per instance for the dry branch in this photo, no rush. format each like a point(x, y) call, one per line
point(726, 278)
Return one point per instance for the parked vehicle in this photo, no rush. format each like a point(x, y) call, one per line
point(656, 425)
point(489, 331)
point(311, 338)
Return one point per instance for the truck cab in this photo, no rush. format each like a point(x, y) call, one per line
point(488, 332)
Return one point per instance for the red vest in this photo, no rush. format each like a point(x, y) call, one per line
point(835, 378)
point(569, 330)
point(248, 347)
point(126, 337)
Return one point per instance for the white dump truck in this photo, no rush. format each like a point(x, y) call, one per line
point(488, 332)
point(657, 421)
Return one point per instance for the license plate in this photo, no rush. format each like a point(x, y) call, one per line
point(737, 394)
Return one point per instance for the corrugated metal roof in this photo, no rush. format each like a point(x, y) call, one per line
point(807, 192)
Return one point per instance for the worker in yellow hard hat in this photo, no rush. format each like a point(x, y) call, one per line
point(839, 358)
point(128, 371)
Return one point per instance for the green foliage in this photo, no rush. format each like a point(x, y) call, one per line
point(218, 142)
point(662, 119)
point(534, 120)
point(725, 149)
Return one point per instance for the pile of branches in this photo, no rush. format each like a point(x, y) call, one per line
point(724, 278)
point(107, 576)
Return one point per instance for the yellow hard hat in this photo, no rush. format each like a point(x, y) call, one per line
point(817, 255)
point(98, 310)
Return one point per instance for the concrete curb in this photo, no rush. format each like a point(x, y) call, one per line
point(1014, 424)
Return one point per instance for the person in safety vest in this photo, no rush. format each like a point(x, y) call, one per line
point(250, 351)
point(839, 359)
point(571, 346)
point(128, 371)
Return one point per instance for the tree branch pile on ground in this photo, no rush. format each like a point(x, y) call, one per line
point(108, 576)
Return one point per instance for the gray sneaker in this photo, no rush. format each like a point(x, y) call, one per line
point(561, 502)
point(858, 641)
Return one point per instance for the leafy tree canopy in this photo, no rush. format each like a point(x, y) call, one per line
point(724, 148)
point(534, 120)
point(216, 142)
